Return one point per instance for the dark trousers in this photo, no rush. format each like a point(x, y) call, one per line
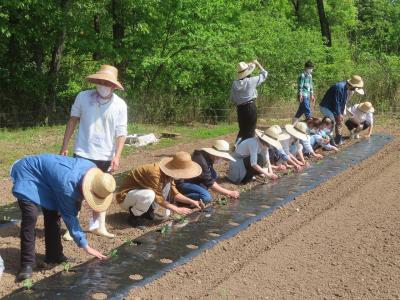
point(250, 171)
point(103, 165)
point(52, 233)
point(304, 108)
point(247, 119)
point(350, 124)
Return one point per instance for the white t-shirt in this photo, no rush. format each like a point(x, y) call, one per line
point(291, 145)
point(360, 116)
point(101, 122)
point(252, 147)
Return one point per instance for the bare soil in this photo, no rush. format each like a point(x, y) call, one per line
point(250, 255)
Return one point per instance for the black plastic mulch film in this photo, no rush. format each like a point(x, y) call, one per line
point(146, 256)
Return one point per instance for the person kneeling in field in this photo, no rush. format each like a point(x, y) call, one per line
point(197, 188)
point(252, 154)
point(299, 139)
point(278, 157)
point(148, 191)
point(361, 118)
point(57, 185)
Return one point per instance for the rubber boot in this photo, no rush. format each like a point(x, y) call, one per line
point(294, 121)
point(102, 230)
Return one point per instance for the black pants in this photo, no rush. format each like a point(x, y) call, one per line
point(247, 119)
point(52, 234)
point(250, 171)
point(103, 165)
point(350, 124)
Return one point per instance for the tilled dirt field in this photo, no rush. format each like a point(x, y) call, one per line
point(344, 242)
point(334, 246)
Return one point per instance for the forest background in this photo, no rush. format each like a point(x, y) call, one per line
point(177, 58)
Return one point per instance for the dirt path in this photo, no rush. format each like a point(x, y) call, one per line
point(343, 243)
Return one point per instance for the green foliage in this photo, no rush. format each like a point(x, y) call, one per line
point(66, 266)
point(181, 219)
point(27, 283)
point(177, 58)
point(165, 229)
point(113, 253)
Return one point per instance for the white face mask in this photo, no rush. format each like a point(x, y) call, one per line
point(309, 71)
point(104, 91)
point(351, 93)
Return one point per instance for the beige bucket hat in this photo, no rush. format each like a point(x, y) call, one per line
point(180, 166)
point(106, 73)
point(282, 135)
point(298, 131)
point(244, 70)
point(220, 148)
point(366, 107)
point(357, 82)
point(270, 136)
point(98, 188)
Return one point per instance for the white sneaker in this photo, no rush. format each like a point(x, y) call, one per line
point(357, 136)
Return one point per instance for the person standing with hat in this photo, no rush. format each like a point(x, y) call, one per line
point(57, 185)
point(197, 188)
point(361, 118)
point(102, 118)
point(305, 92)
point(244, 95)
point(149, 190)
point(252, 155)
point(333, 104)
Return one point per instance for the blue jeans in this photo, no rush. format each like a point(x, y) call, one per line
point(304, 108)
point(327, 113)
point(194, 191)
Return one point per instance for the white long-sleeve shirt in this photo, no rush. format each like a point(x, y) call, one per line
point(359, 116)
point(245, 89)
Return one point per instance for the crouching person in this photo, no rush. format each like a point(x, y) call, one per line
point(147, 192)
point(197, 188)
point(361, 118)
point(252, 155)
point(57, 185)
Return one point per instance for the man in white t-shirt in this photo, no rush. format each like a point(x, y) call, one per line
point(361, 118)
point(102, 118)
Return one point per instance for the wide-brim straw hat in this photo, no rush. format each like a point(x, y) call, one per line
point(299, 130)
point(98, 188)
point(244, 70)
point(106, 73)
point(270, 136)
point(357, 82)
point(366, 107)
point(180, 166)
point(220, 148)
point(282, 135)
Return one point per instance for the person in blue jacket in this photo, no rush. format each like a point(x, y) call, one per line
point(333, 104)
point(57, 185)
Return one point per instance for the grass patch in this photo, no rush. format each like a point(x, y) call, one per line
point(17, 143)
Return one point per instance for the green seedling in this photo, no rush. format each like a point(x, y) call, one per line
point(128, 242)
point(181, 219)
point(165, 229)
point(222, 200)
point(113, 253)
point(28, 284)
point(66, 266)
point(289, 172)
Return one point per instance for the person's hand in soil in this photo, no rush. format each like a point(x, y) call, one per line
point(234, 194)
point(197, 204)
point(95, 253)
point(281, 167)
point(183, 211)
point(318, 156)
point(273, 176)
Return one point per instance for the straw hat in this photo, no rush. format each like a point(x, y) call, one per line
point(299, 131)
point(366, 107)
point(106, 73)
point(244, 70)
point(220, 148)
point(282, 135)
point(357, 82)
point(97, 189)
point(180, 166)
point(271, 136)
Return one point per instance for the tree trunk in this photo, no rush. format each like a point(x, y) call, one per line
point(118, 32)
point(96, 27)
point(325, 30)
point(55, 63)
point(296, 6)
